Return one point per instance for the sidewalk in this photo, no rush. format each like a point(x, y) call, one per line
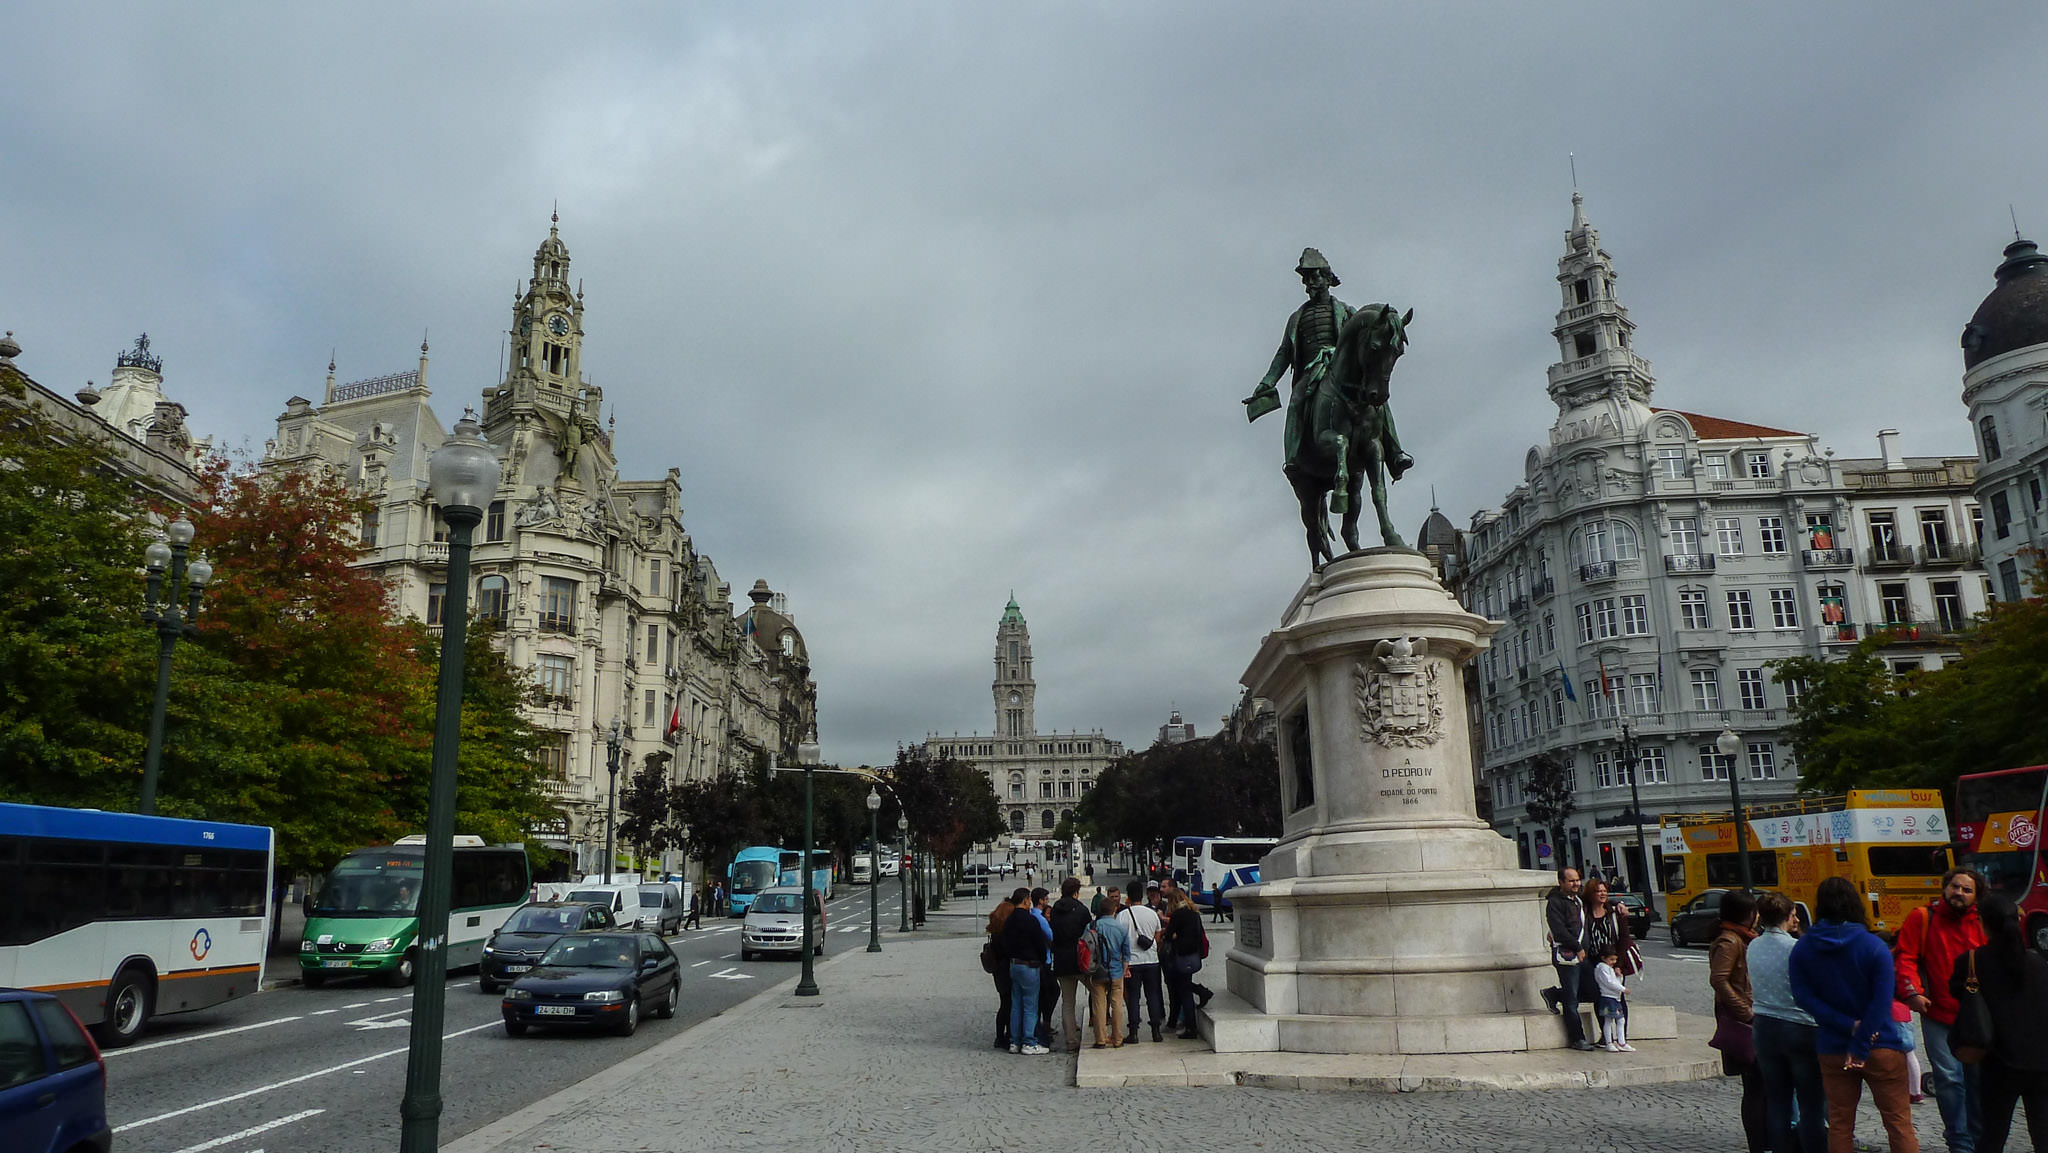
point(896, 1055)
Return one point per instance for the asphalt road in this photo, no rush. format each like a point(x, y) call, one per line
point(296, 1068)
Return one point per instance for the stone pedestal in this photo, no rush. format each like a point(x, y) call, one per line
point(1389, 919)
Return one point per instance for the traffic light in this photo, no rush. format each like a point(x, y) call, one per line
point(1607, 854)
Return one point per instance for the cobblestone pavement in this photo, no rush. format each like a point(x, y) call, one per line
point(896, 1055)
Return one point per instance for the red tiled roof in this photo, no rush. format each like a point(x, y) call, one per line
point(1720, 428)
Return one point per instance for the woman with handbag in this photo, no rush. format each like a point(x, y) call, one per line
point(1728, 973)
point(1184, 939)
point(1607, 928)
point(1842, 977)
point(2004, 1018)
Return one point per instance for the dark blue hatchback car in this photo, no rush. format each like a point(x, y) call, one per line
point(53, 1084)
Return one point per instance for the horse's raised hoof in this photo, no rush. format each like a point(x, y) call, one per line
point(1400, 464)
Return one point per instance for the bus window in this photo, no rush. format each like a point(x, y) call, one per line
point(1724, 870)
point(1906, 861)
point(1674, 875)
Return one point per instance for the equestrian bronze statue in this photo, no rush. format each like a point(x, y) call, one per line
point(1340, 431)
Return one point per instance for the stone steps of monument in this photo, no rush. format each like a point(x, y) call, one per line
point(1232, 1025)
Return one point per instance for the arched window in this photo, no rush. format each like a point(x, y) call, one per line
point(1066, 814)
point(1045, 819)
point(1017, 789)
point(1604, 540)
point(493, 598)
point(1017, 820)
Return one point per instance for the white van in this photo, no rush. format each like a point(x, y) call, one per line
point(622, 900)
point(863, 869)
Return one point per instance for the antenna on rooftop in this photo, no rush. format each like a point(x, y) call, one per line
point(2014, 213)
point(1573, 159)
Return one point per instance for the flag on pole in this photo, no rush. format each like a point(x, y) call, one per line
point(675, 721)
point(1568, 693)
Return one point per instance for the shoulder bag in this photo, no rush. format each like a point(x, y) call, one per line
point(1971, 1035)
point(1143, 942)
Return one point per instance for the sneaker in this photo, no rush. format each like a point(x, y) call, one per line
point(1155, 1033)
point(1550, 1000)
point(1626, 1047)
point(1584, 1046)
point(1035, 1050)
point(1917, 1098)
point(1016, 1049)
point(1131, 1037)
point(1202, 998)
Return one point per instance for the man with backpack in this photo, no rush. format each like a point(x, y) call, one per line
point(1070, 919)
point(1109, 955)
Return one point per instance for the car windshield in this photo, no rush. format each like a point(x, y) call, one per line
point(753, 876)
point(373, 885)
point(1240, 854)
point(778, 903)
point(650, 900)
point(593, 951)
point(540, 919)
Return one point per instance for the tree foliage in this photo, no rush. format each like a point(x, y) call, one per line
point(1214, 787)
point(948, 801)
point(1549, 797)
point(1858, 725)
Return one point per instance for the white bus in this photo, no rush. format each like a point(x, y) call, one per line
point(1206, 864)
point(123, 917)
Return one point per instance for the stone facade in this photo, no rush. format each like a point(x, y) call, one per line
point(1036, 776)
point(2005, 385)
point(591, 580)
point(1653, 563)
point(140, 431)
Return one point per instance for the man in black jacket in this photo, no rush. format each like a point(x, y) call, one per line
point(1565, 915)
point(1070, 918)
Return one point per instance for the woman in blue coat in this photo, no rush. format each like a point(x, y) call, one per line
point(1842, 977)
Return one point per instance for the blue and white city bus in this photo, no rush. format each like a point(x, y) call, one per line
point(123, 917)
point(1209, 865)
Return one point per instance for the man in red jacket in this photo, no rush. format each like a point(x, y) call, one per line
point(1931, 941)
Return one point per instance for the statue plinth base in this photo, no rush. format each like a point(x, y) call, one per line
point(1389, 919)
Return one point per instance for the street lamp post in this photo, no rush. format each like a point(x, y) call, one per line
point(612, 740)
point(1730, 744)
point(1646, 884)
point(807, 756)
point(161, 609)
point(462, 475)
point(874, 872)
point(903, 869)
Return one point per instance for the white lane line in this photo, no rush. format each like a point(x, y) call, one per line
point(383, 1000)
point(730, 957)
point(251, 1131)
point(700, 964)
point(292, 1080)
point(357, 1005)
point(322, 1012)
point(195, 1037)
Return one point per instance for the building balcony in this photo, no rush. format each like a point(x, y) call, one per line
point(1599, 570)
point(1947, 555)
point(1689, 562)
point(1908, 632)
point(1888, 556)
point(1542, 589)
point(434, 554)
point(1818, 558)
point(1517, 606)
point(1522, 675)
point(1607, 359)
point(1839, 633)
point(557, 624)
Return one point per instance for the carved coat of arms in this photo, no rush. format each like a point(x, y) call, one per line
point(1399, 702)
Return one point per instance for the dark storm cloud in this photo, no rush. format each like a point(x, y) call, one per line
point(930, 304)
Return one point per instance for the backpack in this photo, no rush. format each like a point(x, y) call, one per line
point(1094, 960)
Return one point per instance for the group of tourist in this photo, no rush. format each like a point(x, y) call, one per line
point(1137, 942)
point(1811, 1019)
point(1594, 954)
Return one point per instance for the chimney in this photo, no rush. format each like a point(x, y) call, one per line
point(1888, 448)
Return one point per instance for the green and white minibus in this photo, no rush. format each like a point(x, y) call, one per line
point(365, 918)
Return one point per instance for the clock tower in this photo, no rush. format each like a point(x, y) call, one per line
point(544, 398)
point(1014, 688)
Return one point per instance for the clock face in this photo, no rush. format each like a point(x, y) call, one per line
point(558, 324)
point(1014, 698)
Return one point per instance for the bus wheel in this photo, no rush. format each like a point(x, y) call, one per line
point(400, 975)
point(313, 978)
point(127, 1009)
point(2037, 928)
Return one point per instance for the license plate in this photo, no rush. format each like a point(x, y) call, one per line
point(517, 968)
point(555, 1010)
point(334, 964)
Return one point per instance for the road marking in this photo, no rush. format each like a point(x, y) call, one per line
point(700, 964)
point(727, 929)
point(196, 1037)
point(251, 1131)
point(732, 975)
point(386, 1000)
point(373, 1021)
point(357, 1005)
point(730, 957)
point(232, 1097)
point(322, 1012)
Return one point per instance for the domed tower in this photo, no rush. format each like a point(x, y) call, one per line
point(1600, 386)
point(1014, 690)
point(2005, 385)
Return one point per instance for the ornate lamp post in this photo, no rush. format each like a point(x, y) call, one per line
point(612, 741)
point(1730, 745)
point(903, 869)
point(1646, 884)
point(160, 607)
point(874, 873)
point(807, 756)
point(462, 475)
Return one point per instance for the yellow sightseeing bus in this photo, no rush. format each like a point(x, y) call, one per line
point(1890, 843)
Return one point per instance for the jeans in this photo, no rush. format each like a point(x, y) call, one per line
point(1180, 998)
point(1885, 1073)
point(1568, 1001)
point(1106, 1011)
point(1048, 1000)
point(2004, 1087)
point(1955, 1089)
point(1791, 1071)
point(1141, 983)
point(1023, 1003)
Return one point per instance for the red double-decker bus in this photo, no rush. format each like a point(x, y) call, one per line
point(1998, 827)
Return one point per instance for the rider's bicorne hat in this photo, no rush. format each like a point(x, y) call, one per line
point(1310, 258)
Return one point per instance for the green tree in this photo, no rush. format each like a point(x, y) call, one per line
point(1213, 787)
point(1549, 798)
point(645, 820)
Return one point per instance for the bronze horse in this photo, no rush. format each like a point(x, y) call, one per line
point(1348, 422)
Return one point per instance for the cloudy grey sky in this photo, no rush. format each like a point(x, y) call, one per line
point(933, 302)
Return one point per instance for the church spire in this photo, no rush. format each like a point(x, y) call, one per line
point(1594, 333)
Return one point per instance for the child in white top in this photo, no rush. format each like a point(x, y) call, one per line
point(1612, 1005)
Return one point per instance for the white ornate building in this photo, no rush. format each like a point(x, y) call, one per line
point(2005, 385)
point(1652, 565)
point(1036, 776)
point(591, 580)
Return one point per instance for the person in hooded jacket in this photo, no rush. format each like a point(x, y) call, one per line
point(1842, 976)
point(1070, 918)
point(2013, 980)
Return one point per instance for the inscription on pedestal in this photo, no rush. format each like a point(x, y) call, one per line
point(1251, 931)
